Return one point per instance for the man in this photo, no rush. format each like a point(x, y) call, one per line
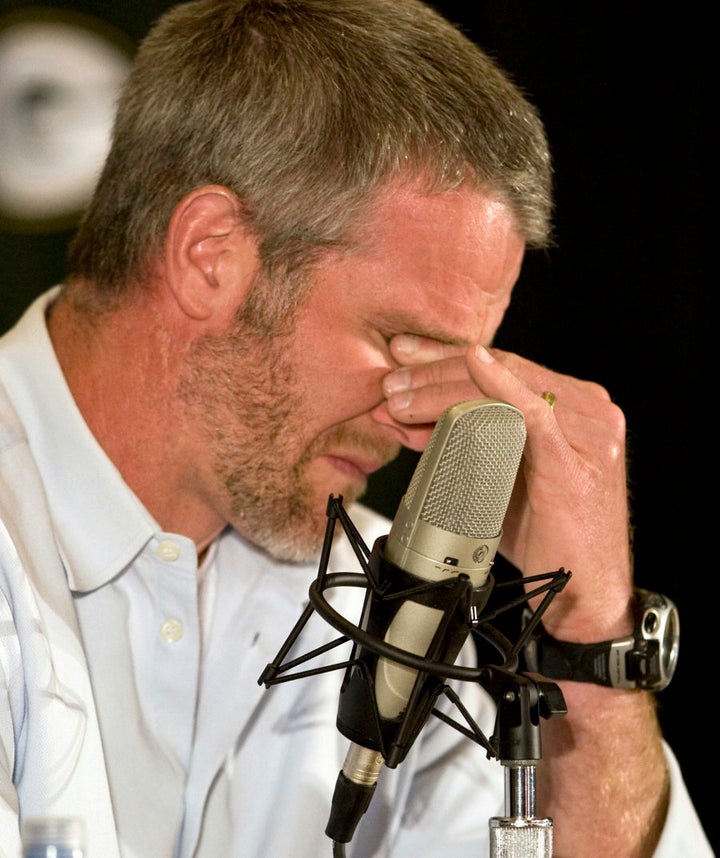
point(300, 249)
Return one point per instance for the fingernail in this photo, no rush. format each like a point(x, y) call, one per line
point(400, 401)
point(406, 344)
point(396, 381)
point(481, 353)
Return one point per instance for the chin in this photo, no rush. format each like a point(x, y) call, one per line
point(292, 545)
point(348, 495)
point(349, 488)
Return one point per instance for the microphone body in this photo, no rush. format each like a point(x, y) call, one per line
point(430, 573)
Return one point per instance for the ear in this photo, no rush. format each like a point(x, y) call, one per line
point(211, 256)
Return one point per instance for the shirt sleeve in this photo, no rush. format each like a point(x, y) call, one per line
point(9, 695)
point(683, 833)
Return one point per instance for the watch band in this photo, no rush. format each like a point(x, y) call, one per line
point(645, 659)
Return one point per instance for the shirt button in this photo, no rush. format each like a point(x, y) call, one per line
point(168, 550)
point(171, 630)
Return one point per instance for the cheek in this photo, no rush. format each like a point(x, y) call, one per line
point(343, 378)
point(493, 321)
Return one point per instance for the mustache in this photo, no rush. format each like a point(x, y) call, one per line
point(354, 442)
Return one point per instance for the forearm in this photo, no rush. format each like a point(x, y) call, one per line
point(603, 779)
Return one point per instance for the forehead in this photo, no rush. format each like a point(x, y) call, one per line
point(440, 264)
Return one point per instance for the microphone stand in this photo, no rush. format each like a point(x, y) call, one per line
point(521, 701)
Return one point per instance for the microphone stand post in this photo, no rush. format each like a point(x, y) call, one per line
point(521, 703)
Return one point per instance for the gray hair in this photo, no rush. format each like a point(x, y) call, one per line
point(305, 109)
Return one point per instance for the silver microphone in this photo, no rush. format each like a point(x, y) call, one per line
point(448, 524)
point(450, 518)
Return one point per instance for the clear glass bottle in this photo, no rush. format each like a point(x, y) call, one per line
point(53, 837)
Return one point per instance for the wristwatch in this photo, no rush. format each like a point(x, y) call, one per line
point(645, 659)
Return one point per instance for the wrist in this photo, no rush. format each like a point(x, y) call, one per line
point(645, 658)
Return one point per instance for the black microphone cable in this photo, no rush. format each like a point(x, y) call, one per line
point(354, 789)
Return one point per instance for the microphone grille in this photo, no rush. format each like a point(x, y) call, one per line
point(465, 476)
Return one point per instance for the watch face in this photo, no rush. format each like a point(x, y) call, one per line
point(671, 643)
point(660, 625)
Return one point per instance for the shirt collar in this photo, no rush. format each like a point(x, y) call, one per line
point(100, 525)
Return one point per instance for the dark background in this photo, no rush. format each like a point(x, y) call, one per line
point(624, 297)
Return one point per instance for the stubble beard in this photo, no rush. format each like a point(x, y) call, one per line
point(241, 390)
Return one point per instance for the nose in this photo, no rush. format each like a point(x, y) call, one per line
point(412, 436)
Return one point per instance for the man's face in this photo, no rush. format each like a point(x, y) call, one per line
point(290, 420)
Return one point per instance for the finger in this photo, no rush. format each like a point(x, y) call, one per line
point(411, 349)
point(418, 393)
point(576, 392)
point(437, 374)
